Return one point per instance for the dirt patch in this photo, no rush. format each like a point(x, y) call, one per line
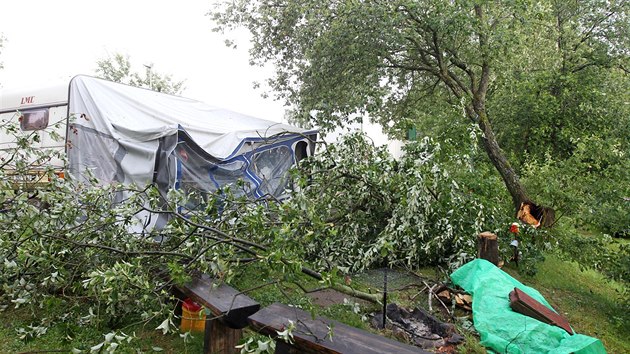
point(328, 297)
point(396, 278)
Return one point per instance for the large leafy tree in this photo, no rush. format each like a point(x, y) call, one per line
point(578, 89)
point(565, 119)
point(400, 61)
point(117, 68)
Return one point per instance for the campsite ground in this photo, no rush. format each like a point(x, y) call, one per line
point(588, 301)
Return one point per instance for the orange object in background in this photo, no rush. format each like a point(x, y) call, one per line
point(525, 215)
point(193, 317)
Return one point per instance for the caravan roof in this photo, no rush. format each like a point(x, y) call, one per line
point(50, 94)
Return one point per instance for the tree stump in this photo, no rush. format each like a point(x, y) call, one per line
point(488, 247)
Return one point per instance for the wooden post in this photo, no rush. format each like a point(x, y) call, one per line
point(284, 348)
point(488, 247)
point(221, 339)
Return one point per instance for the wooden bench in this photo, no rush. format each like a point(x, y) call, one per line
point(311, 335)
point(230, 310)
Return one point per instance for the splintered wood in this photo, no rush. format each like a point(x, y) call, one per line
point(449, 296)
point(464, 301)
point(536, 215)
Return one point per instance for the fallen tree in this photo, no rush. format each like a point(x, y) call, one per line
point(353, 207)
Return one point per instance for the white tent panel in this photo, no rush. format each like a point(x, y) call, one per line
point(133, 114)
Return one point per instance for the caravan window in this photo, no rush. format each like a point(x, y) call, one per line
point(36, 119)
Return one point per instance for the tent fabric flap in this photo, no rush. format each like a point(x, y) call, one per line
point(262, 170)
point(505, 331)
point(116, 129)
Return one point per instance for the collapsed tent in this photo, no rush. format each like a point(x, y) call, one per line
point(131, 135)
point(506, 331)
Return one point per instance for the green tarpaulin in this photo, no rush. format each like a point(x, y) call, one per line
point(505, 331)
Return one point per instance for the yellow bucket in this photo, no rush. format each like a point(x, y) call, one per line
point(193, 317)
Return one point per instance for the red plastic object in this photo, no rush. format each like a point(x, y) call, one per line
point(191, 306)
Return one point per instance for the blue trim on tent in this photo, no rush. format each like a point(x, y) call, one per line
point(260, 139)
point(290, 135)
point(286, 140)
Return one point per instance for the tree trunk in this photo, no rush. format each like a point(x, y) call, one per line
point(488, 247)
point(477, 113)
point(497, 157)
point(544, 215)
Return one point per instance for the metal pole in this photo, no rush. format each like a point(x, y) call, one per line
point(149, 67)
point(385, 295)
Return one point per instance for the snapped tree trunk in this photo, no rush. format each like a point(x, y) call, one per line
point(500, 162)
point(476, 111)
point(545, 216)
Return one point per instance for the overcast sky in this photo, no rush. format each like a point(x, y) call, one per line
point(48, 40)
point(58, 39)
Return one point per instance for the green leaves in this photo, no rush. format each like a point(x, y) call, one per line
point(117, 68)
point(257, 344)
point(366, 208)
point(540, 73)
point(339, 61)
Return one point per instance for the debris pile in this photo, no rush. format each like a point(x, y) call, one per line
point(448, 296)
point(418, 327)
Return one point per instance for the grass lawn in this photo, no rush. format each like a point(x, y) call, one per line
point(589, 302)
point(586, 299)
point(64, 337)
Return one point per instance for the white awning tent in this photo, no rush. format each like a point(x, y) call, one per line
point(134, 114)
point(126, 134)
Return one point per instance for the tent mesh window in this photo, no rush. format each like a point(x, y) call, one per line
point(199, 177)
point(271, 166)
point(226, 175)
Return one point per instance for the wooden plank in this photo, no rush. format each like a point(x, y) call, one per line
point(222, 300)
point(528, 306)
point(311, 335)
